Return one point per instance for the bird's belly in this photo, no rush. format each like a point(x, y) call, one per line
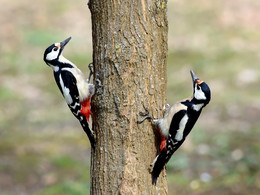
point(164, 127)
point(83, 90)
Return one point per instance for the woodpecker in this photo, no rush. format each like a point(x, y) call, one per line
point(177, 122)
point(75, 88)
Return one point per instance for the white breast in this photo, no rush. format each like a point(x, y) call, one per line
point(164, 123)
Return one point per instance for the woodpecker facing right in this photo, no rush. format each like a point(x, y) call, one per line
point(177, 122)
point(75, 88)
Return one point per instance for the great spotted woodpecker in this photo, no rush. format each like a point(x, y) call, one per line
point(73, 85)
point(177, 123)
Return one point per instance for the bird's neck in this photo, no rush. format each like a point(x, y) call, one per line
point(197, 105)
point(62, 62)
point(55, 66)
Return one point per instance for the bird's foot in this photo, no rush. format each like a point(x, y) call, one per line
point(90, 66)
point(146, 115)
point(166, 108)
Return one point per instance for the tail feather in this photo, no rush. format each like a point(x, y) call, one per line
point(154, 179)
point(158, 166)
point(84, 117)
point(87, 130)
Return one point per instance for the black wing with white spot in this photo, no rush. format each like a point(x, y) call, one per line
point(70, 92)
point(68, 87)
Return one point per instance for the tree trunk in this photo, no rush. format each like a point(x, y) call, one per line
point(129, 57)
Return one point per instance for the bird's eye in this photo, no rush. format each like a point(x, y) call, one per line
point(55, 49)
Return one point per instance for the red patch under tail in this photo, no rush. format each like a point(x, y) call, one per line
point(86, 108)
point(163, 141)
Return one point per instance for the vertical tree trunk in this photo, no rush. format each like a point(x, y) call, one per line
point(129, 55)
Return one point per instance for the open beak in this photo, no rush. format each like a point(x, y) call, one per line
point(63, 43)
point(195, 79)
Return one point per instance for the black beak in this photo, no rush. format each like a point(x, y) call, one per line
point(63, 43)
point(194, 77)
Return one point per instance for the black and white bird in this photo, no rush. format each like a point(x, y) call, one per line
point(75, 88)
point(177, 122)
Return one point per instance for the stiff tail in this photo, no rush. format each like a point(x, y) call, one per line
point(88, 131)
point(158, 165)
point(86, 121)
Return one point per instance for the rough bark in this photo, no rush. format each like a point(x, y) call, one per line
point(129, 57)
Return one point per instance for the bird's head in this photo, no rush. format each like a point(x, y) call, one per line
point(52, 53)
point(201, 91)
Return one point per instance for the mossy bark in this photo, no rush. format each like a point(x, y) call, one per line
point(129, 57)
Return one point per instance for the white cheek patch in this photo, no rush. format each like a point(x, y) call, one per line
point(199, 94)
point(53, 55)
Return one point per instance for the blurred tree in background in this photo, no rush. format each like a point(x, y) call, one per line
point(43, 148)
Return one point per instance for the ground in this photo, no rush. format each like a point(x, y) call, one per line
point(42, 146)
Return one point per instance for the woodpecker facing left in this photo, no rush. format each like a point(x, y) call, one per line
point(74, 86)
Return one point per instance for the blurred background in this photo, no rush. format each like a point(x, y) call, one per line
point(43, 149)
